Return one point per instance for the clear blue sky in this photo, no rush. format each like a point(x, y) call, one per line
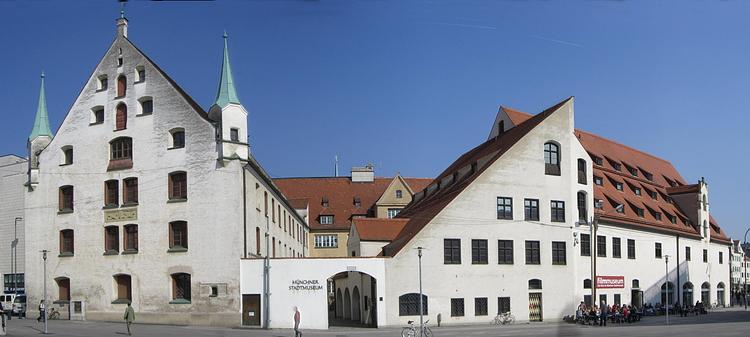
point(410, 85)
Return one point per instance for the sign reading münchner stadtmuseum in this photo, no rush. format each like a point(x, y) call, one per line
point(306, 285)
point(604, 282)
point(115, 215)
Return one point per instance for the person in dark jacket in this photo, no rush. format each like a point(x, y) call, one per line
point(603, 313)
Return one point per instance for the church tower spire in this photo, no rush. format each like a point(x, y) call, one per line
point(227, 93)
point(230, 115)
point(41, 122)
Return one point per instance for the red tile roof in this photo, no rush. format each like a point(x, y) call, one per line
point(424, 208)
point(376, 229)
point(340, 193)
point(664, 179)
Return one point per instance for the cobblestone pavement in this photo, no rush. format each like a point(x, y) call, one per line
point(715, 324)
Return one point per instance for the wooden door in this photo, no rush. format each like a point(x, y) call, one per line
point(251, 310)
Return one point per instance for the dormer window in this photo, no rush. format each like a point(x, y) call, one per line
point(234, 134)
point(324, 202)
point(637, 191)
point(633, 171)
point(615, 165)
point(598, 203)
point(648, 176)
point(357, 202)
point(597, 160)
point(102, 83)
point(598, 181)
point(618, 186)
point(326, 219)
point(399, 194)
point(140, 74)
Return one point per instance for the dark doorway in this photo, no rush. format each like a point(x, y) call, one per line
point(251, 310)
point(636, 299)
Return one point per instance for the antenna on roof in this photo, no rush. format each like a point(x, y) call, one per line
point(336, 165)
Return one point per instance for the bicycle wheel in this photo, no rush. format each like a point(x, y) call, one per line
point(427, 332)
point(511, 319)
point(408, 332)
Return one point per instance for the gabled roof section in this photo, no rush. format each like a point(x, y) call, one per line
point(375, 229)
point(516, 116)
point(449, 184)
point(41, 121)
point(227, 93)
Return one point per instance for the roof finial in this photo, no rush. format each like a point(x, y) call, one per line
point(227, 93)
point(225, 36)
point(41, 122)
point(122, 9)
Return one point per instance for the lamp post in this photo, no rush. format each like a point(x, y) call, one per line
point(421, 314)
point(666, 287)
point(44, 296)
point(14, 246)
point(744, 263)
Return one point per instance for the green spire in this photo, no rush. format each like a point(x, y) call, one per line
point(41, 123)
point(227, 93)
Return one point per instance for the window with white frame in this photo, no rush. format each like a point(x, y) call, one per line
point(326, 219)
point(326, 241)
point(392, 212)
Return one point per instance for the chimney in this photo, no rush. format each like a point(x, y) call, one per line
point(364, 174)
point(122, 25)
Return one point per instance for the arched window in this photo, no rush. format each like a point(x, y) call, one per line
point(63, 288)
point(720, 294)
point(177, 139)
point(535, 284)
point(581, 171)
point(66, 242)
point(181, 288)
point(101, 85)
point(705, 293)
point(667, 289)
point(121, 153)
point(636, 284)
point(121, 117)
point(551, 159)
point(67, 157)
point(687, 293)
point(582, 209)
point(131, 238)
point(178, 236)
point(587, 284)
point(122, 83)
point(140, 74)
point(123, 292)
point(178, 185)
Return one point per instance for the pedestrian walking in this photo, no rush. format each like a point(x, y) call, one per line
point(42, 311)
point(2, 320)
point(297, 333)
point(129, 317)
point(604, 310)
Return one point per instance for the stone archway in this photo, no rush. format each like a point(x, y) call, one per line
point(353, 300)
point(347, 304)
point(356, 310)
point(339, 304)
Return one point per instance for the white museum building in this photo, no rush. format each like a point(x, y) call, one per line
point(144, 197)
point(523, 223)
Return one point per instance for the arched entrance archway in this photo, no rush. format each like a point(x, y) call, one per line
point(356, 312)
point(347, 304)
point(705, 293)
point(353, 300)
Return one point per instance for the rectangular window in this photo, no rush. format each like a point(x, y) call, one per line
point(178, 235)
point(124, 292)
point(147, 106)
point(181, 287)
point(63, 287)
point(558, 211)
point(505, 251)
point(111, 239)
point(631, 249)
point(617, 299)
point(585, 245)
point(326, 241)
point(601, 246)
point(478, 251)
point(687, 253)
point(582, 171)
point(705, 255)
point(130, 193)
point(66, 199)
point(66, 242)
point(392, 212)
point(616, 250)
point(452, 251)
point(457, 307)
point(111, 193)
point(531, 209)
point(558, 252)
point(326, 219)
point(131, 238)
point(721, 257)
point(480, 306)
point(503, 305)
point(504, 208)
point(532, 252)
point(234, 135)
point(178, 186)
point(582, 207)
point(657, 250)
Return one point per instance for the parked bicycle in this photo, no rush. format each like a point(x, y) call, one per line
point(53, 314)
point(413, 331)
point(504, 318)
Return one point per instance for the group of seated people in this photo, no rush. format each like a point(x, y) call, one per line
point(686, 309)
point(599, 315)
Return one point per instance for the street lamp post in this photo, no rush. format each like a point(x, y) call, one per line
point(666, 287)
point(744, 263)
point(44, 298)
point(421, 314)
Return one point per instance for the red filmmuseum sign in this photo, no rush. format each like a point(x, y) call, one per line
point(604, 282)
